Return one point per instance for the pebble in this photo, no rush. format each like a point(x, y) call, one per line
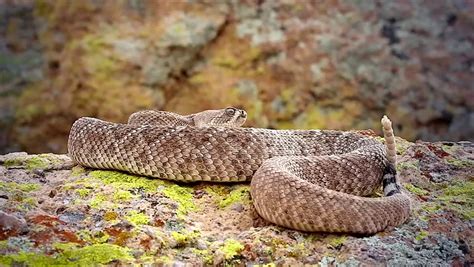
point(200, 244)
point(238, 207)
point(11, 225)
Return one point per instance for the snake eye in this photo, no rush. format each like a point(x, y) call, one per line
point(230, 111)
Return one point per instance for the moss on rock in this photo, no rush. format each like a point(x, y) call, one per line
point(416, 190)
point(225, 196)
point(183, 196)
point(31, 162)
point(185, 237)
point(231, 248)
point(337, 241)
point(126, 181)
point(421, 235)
point(239, 195)
point(24, 187)
point(71, 255)
point(137, 218)
point(460, 198)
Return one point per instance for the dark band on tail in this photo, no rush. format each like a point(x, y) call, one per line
point(390, 186)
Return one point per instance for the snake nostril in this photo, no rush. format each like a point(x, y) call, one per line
point(243, 114)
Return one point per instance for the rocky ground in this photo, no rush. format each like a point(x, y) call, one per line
point(55, 213)
point(333, 64)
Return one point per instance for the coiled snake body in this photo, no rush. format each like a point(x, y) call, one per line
point(310, 180)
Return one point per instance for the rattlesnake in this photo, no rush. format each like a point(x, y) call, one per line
point(310, 180)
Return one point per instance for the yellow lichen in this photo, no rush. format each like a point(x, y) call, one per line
point(460, 163)
point(186, 237)
point(25, 187)
point(459, 198)
point(183, 196)
point(125, 181)
point(337, 241)
point(416, 190)
point(71, 255)
point(206, 255)
point(231, 248)
point(77, 171)
point(226, 196)
point(137, 218)
point(239, 195)
point(83, 192)
point(98, 200)
point(31, 162)
point(422, 235)
point(298, 250)
point(98, 237)
point(110, 216)
point(413, 164)
point(122, 195)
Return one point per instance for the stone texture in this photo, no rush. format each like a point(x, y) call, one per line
point(71, 213)
point(290, 64)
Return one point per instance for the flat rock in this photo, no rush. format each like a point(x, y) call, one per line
point(74, 214)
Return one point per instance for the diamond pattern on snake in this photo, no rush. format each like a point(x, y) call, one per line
point(308, 180)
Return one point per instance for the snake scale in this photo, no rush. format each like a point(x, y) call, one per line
point(309, 180)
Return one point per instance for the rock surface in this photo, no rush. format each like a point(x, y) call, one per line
point(75, 216)
point(291, 64)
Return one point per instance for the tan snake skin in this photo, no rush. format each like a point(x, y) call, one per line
point(310, 180)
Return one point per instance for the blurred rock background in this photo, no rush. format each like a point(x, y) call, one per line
point(289, 63)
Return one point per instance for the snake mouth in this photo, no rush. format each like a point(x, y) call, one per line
point(242, 118)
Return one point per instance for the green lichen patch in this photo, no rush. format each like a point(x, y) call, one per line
point(28, 259)
point(204, 254)
point(416, 190)
point(460, 198)
point(185, 237)
point(216, 190)
point(460, 163)
point(24, 187)
point(40, 161)
point(137, 218)
point(231, 248)
point(401, 145)
point(126, 187)
point(427, 210)
point(127, 181)
point(77, 171)
point(421, 235)
point(20, 194)
point(431, 207)
point(83, 192)
point(450, 149)
point(122, 195)
point(96, 254)
point(183, 196)
point(408, 165)
point(226, 196)
point(98, 237)
point(70, 255)
point(98, 200)
point(298, 250)
point(239, 195)
point(27, 203)
point(337, 241)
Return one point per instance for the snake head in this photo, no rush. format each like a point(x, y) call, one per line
point(227, 117)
